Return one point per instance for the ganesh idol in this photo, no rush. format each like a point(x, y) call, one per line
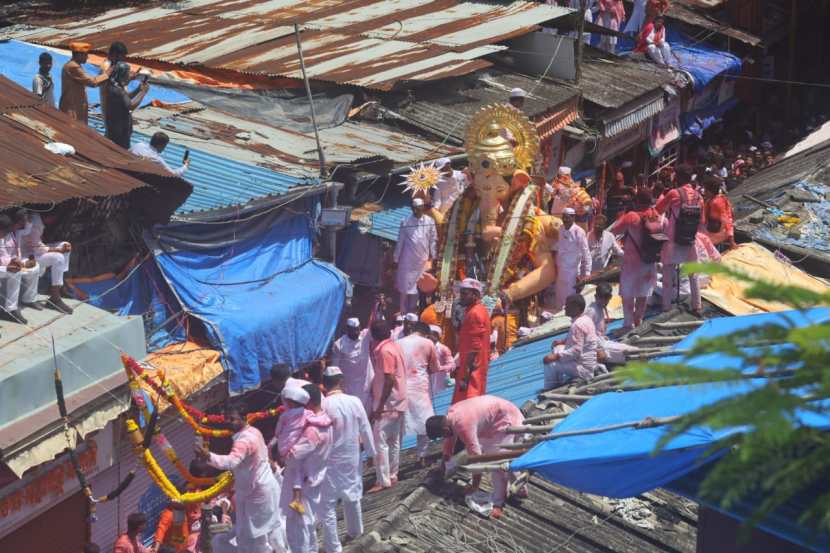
point(496, 231)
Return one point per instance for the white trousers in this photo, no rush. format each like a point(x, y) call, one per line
point(661, 54)
point(501, 479)
point(422, 445)
point(607, 42)
point(387, 431)
point(253, 545)
point(300, 532)
point(19, 286)
point(352, 513)
point(57, 263)
point(565, 285)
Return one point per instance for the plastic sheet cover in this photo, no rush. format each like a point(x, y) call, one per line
point(624, 462)
point(264, 300)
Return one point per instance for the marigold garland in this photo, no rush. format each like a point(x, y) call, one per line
point(160, 478)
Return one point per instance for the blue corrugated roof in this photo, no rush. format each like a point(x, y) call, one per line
point(385, 223)
point(220, 182)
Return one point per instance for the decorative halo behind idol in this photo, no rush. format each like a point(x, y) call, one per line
point(422, 179)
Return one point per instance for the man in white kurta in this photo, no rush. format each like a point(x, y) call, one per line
point(450, 187)
point(607, 350)
point(414, 252)
point(351, 352)
point(312, 451)
point(344, 473)
point(573, 258)
point(420, 361)
point(256, 490)
point(576, 357)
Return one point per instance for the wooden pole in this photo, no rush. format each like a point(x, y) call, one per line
point(580, 27)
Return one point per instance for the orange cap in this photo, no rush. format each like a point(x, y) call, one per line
point(81, 47)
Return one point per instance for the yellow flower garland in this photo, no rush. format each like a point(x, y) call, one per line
point(160, 478)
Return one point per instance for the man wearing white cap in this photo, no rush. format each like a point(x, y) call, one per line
point(344, 474)
point(351, 352)
point(473, 343)
point(397, 332)
point(414, 252)
point(517, 98)
point(421, 362)
point(573, 258)
point(446, 361)
point(450, 186)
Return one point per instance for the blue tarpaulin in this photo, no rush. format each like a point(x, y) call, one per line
point(263, 299)
point(702, 62)
point(695, 122)
point(142, 291)
point(20, 64)
point(623, 463)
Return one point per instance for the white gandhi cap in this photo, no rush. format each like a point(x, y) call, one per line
point(332, 371)
point(353, 322)
point(436, 329)
point(569, 211)
point(564, 170)
point(417, 202)
point(295, 393)
point(411, 318)
point(517, 93)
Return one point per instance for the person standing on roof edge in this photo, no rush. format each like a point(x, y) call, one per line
point(573, 258)
point(641, 230)
point(473, 343)
point(153, 150)
point(414, 252)
point(42, 84)
point(121, 103)
point(352, 354)
point(389, 405)
point(576, 356)
point(602, 244)
point(611, 16)
point(683, 207)
point(116, 53)
point(344, 473)
point(256, 490)
point(718, 213)
point(421, 362)
point(481, 424)
point(74, 80)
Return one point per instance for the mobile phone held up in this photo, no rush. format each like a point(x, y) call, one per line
point(186, 156)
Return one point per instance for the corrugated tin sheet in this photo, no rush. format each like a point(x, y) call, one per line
point(611, 82)
point(221, 181)
point(284, 150)
point(689, 12)
point(445, 111)
point(369, 43)
point(32, 174)
point(642, 113)
point(385, 224)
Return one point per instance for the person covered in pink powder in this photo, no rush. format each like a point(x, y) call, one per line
point(641, 251)
point(446, 362)
point(290, 427)
point(421, 362)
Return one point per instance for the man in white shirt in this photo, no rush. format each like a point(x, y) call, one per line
point(450, 187)
point(18, 276)
point(344, 472)
point(603, 245)
point(351, 352)
point(414, 252)
point(573, 258)
point(153, 150)
point(42, 84)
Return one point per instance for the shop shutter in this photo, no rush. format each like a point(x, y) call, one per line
point(142, 495)
point(61, 529)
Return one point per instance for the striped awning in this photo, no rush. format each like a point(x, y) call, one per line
point(556, 119)
point(633, 118)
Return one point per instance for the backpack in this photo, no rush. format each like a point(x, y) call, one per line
point(688, 219)
point(653, 239)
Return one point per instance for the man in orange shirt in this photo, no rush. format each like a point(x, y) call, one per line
point(473, 343)
point(74, 80)
point(174, 526)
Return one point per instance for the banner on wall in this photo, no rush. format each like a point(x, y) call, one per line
point(665, 128)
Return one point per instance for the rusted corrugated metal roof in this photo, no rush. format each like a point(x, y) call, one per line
point(368, 43)
point(280, 149)
point(29, 173)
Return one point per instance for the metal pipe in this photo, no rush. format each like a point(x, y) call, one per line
point(679, 324)
point(545, 417)
point(565, 397)
point(530, 429)
point(320, 154)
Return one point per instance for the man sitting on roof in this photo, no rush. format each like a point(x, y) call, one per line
point(576, 356)
point(481, 423)
point(53, 257)
point(153, 150)
point(652, 40)
point(15, 273)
